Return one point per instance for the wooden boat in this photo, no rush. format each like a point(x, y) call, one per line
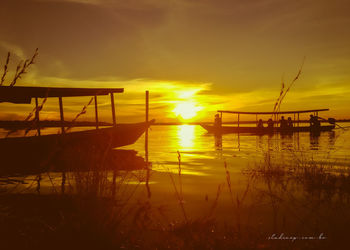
point(215, 129)
point(254, 130)
point(38, 153)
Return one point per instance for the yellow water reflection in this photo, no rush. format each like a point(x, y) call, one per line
point(186, 136)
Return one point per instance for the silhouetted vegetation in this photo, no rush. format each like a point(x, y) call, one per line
point(21, 68)
point(283, 92)
point(107, 209)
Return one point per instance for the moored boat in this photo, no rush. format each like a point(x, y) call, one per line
point(39, 153)
point(275, 128)
point(254, 130)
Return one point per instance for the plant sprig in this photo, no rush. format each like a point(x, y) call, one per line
point(5, 69)
point(22, 69)
point(283, 93)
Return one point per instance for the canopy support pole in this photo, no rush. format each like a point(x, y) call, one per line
point(113, 110)
point(146, 146)
point(96, 112)
point(61, 114)
point(294, 120)
point(147, 104)
point(37, 116)
point(238, 121)
point(146, 132)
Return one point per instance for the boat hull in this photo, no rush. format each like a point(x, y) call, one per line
point(48, 152)
point(255, 130)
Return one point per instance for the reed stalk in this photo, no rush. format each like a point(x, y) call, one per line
point(283, 94)
point(22, 69)
point(179, 194)
point(5, 69)
point(83, 111)
point(216, 201)
point(228, 180)
point(179, 171)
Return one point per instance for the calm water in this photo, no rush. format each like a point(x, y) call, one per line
point(204, 154)
point(305, 204)
point(203, 158)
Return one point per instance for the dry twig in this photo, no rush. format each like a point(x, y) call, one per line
point(22, 69)
point(83, 111)
point(283, 95)
point(5, 69)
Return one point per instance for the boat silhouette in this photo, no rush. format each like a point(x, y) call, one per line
point(39, 153)
point(275, 128)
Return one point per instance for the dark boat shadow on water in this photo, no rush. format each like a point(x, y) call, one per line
point(70, 164)
point(77, 211)
point(78, 160)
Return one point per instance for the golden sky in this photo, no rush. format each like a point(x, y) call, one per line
point(200, 54)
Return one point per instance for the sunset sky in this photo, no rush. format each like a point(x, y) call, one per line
point(199, 55)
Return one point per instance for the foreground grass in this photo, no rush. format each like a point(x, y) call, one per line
point(100, 210)
point(48, 221)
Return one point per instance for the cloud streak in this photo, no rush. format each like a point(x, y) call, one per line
point(228, 55)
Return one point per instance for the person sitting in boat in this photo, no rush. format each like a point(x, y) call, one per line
point(289, 122)
point(314, 122)
point(270, 123)
point(317, 122)
point(217, 121)
point(283, 123)
point(260, 124)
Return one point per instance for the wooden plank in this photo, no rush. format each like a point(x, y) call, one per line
point(20, 94)
point(9, 125)
point(271, 113)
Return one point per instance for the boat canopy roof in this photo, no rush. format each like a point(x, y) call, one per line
point(21, 94)
point(272, 113)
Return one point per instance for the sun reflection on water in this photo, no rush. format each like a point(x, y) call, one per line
point(186, 136)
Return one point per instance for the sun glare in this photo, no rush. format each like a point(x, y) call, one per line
point(186, 136)
point(186, 110)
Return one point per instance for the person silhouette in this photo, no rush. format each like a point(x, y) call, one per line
point(289, 122)
point(270, 123)
point(283, 123)
point(217, 121)
point(312, 121)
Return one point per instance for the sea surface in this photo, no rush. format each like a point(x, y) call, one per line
point(206, 161)
point(295, 184)
point(204, 154)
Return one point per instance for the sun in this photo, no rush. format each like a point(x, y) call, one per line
point(186, 110)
